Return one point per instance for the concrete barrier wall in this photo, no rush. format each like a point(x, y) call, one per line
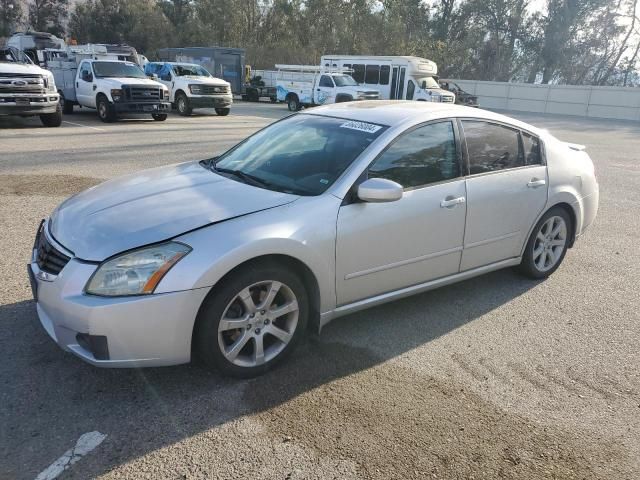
point(622, 103)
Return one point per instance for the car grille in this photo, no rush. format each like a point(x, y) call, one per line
point(48, 258)
point(142, 94)
point(15, 83)
point(446, 99)
point(213, 90)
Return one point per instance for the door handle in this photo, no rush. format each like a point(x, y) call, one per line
point(452, 202)
point(535, 183)
point(317, 89)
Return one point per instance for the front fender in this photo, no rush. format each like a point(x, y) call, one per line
point(304, 230)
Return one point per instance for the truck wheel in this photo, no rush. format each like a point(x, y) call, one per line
point(273, 99)
point(52, 119)
point(105, 110)
point(223, 112)
point(293, 103)
point(159, 117)
point(183, 106)
point(67, 107)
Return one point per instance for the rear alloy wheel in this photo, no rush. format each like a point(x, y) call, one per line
point(293, 104)
point(547, 245)
point(223, 112)
point(67, 107)
point(253, 321)
point(183, 105)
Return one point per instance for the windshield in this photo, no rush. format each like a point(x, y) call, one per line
point(344, 81)
point(12, 55)
point(117, 69)
point(190, 70)
point(431, 82)
point(303, 154)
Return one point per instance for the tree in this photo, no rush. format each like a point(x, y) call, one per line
point(10, 16)
point(49, 16)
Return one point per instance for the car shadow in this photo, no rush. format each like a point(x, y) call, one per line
point(50, 397)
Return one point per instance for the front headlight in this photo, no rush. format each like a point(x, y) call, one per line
point(137, 272)
point(51, 84)
point(165, 94)
point(116, 95)
point(195, 89)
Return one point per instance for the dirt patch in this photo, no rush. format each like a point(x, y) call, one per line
point(45, 185)
point(394, 423)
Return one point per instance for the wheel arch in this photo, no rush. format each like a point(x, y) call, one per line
point(291, 95)
point(573, 215)
point(301, 269)
point(344, 97)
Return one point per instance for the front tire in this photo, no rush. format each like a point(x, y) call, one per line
point(52, 119)
point(106, 112)
point(182, 105)
point(252, 321)
point(159, 117)
point(223, 112)
point(547, 245)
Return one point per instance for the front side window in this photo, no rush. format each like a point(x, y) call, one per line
point(419, 157)
point(325, 81)
point(372, 75)
point(303, 154)
point(491, 147)
point(411, 88)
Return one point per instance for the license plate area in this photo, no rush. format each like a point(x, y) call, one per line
point(150, 108)
point(23, 101)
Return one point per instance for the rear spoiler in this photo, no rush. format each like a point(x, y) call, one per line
point(575, 146)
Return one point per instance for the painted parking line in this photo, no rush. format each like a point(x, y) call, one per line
point(86, 126)
point(84, 445)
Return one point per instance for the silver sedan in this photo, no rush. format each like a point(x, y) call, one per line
point(318, 215)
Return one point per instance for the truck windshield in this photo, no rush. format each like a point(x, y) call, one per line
point(344, 81)
point(190, 70)
point(303, 154)
point(117, 69)
point(430, 81)
point(11, 55)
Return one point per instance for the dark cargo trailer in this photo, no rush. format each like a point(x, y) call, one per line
point(222, 62)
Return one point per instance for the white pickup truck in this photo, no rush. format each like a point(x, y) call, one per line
point(325, 87)
point(192, 86)
point(110, 86)
point(27, 90)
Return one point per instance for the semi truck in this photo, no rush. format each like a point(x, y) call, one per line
point(396, 77)
point(328, 85)
point(192, 86)
point(94, 77)
point(26, 89)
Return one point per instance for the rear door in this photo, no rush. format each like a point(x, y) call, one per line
point(506, 191)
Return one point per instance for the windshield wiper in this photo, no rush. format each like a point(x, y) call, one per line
point(246, 177)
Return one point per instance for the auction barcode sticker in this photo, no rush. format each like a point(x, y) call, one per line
point(362, 126)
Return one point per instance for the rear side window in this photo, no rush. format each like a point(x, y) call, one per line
point(358, 73)
point(372, 75)
point(384, 74)
point(491, 147)
point(531, 146)
point(419, 157)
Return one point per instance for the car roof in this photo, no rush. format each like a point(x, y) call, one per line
point(399, 112)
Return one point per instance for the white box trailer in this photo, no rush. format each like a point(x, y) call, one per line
point(395, 77)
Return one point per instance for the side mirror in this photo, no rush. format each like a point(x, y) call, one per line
point(424, 85)
point(87, 76)
point(378, 190)
point(154, 76)
point(166, 78)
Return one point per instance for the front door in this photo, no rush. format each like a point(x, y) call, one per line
point(85, 92)
point(398, 74)
point(506, 191)
point(382, 247)
point(325, 91)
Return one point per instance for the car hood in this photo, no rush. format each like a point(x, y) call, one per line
point(152, 206)
point(217, 82)
point(119, 81)
point(21, 68)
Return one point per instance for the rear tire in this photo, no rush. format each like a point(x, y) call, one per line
point(106, 112)
point(547, 244)
point(293, 103)
point(183, 105)
point(223, 112)
point(159, 117)
point(52, 119)
point(67, 107)
point(238, 330)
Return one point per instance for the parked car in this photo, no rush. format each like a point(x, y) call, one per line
point(192, 86)
point(26, 90)
point(318, 215)
point(326, 86)
point(462, 97)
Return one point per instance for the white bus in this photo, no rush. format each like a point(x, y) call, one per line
point(395, 77)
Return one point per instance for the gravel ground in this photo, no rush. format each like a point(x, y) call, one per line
point(496, 377)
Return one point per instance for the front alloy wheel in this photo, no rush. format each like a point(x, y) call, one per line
point(252, 321)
